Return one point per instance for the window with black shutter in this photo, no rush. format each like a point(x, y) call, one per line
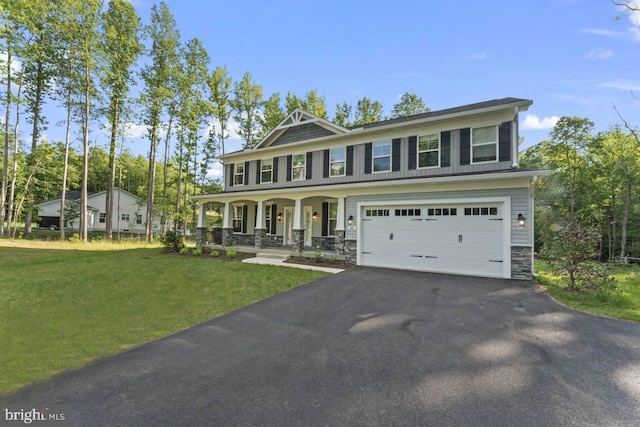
point(504, 144)
point(445, 149)
point(275, 169)
point(246, 173)
point(309, 164)
point(325, 164)
point(465, 146)
point(395, 154)
point(413, 153)
point(349, 165)
point(368, 156)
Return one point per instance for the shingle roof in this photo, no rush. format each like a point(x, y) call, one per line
point(463, 108)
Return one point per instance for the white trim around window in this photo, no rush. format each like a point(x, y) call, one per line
point(337, 161)
point(428, 151)
point(238, 218)
point(381, 157)
point(484, 144)
point(299, 167)
point(238, 172)
point(266, 171)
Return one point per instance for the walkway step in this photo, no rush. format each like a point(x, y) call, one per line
point(272, 256)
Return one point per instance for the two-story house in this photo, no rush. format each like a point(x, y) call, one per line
point(439, 191)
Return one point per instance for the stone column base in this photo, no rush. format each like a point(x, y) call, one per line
point(260, 238)
point(297, 240)
point(201, 237)
point(521, 262)
point(227, 237)
point(339, 242)
point(351, 250)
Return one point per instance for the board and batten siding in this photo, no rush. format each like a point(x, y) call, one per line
point(520, 198)
point(359, 174)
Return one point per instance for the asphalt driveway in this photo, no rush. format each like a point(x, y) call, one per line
point(371, 347)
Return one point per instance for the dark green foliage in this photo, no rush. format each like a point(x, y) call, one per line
point(172, 241)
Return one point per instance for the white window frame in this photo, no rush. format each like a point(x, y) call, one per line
point(267, 218)
point(125, 217)
point(237, 216)
point(437, 150)
point(374, 157)
point(303, 167)
point(102, 217)
point(343, 161)
point(334, 219)
point(138, 218)
point(270, 170)
point(236, 174)
point(494, 143)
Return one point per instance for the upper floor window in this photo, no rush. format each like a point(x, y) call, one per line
point(238, 174)
point(382, 156)
point(299, 169)
point(484, 144)
point(429, 151)
point(337, 158)
point(266, 171)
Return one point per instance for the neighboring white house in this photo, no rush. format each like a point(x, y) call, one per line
point(129, 212)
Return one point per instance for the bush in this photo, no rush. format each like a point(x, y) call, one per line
point(215, 253)
point(196, 252)
point(184, 251)
point(232, 254)
point(571, 252)
point(173, 242)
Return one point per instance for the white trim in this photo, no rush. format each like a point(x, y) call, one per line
point(373, 156)
point(344, 171)
point(308, 234)
point(304, 156)
point(427, 151)
point(506, 221)
point(235, 173)
point(262, 163)
point(286, 231)
point(496, 145)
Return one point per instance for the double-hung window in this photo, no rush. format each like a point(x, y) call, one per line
point(138, 219)
point(484, 144)
point(124, 217)
point(266, 171)
point(333, 218)
point(299, 167)
point(382, 156)
point(102, 218)
point(337, 158)
point(429, 151)
point(238, 174)
point(237, 219)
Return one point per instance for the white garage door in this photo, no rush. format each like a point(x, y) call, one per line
point(458, 238)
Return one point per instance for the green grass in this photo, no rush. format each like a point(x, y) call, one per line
point(63, 305)
point(624, 305)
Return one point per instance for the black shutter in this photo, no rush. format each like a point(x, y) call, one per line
point(246, 173)
point(413, 153)
point(230, 178)
point(258, 174)
point(395, 155)
point(325, 218)
point(289, 161)
point(255, 219)
point(465, 146)
point(504, 142)
point(244, 218)
point(349, 165)
point(368, 147)
point(325, 167)
point(275, 170)
point(274, 219)
point(445, 149)
point(308, 164)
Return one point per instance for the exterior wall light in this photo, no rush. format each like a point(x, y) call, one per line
point(350, 220)
point(522, 221)
point(279, 216)
point(314, 216)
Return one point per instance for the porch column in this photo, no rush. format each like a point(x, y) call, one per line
point(227, 225)
point(201, 228)
point(297, 231)
point(260, 232)
point(340, 231)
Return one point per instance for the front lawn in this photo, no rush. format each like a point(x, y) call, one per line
point(625, 305)
point(64, 304)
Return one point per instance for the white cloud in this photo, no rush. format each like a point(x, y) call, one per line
point(599, 54)
point(476, 57)
point(531, 121)
point(622, 84)
point(601, 32)
point(215, 171)
point(15, 65)
point(134, 130)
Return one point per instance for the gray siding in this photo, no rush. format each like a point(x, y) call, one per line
point(301, 133)
point(358, 168)
point(519, 204)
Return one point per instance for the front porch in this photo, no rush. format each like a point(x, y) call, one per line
point(284, 251)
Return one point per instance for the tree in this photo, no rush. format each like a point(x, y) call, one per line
point(312, 103)
point(272, 115)
point(343, 115)
point(245, 104)
point(367, 111)
point(164, 38)
point(121, 47)
point(219, 89)
point(409, 104)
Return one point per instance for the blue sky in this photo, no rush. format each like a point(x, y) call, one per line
point(571, 57)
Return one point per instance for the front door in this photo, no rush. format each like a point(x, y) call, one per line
point(308, 225)
point(288, 225)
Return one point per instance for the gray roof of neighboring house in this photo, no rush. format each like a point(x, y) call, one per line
point(69, 195)
point(462, 108)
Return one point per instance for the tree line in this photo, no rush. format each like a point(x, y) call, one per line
point(85, 57)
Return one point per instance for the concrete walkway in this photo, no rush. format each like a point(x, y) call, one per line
point(280, 262)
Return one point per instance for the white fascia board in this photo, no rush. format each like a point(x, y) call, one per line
point(459, 182)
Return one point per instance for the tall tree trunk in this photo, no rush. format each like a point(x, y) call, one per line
point(84, 235)
point(151, 182)
point(65, 167)
point(179, 189)
point(5, 151)
point(165, 171)
point(112, 168)
point(614, 221)
point(14, 168)
point(625, 222)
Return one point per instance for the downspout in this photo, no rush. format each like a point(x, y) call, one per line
point(534, 183)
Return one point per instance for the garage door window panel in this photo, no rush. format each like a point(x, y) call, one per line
point(382, 156)
point(484, 144)
point(429, 151)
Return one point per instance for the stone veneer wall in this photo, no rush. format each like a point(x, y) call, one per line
point(297, 240)
point(325, 243)
point(228, 238)
point(244, 239)
point(201, 236)
point(350, 250)
point(273, 242)
point(521, 262)
point(260, 238)
point(339, 242)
